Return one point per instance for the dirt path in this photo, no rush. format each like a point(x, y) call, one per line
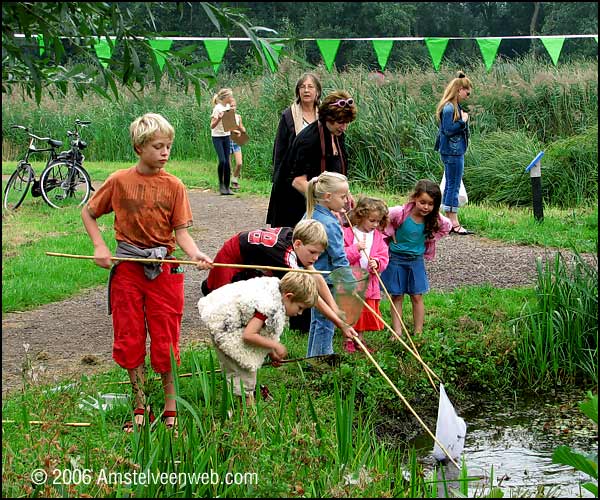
point(74, 336)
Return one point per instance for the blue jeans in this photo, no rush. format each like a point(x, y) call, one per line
point(454, 167)
point(320, 336)
point(222, 146)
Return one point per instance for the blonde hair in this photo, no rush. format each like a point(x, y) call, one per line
point(318, 187)
point(146, 127)
point(221, 95)
point(310, 232)
point(451, 94)
point(302, 285)
point(365, 206)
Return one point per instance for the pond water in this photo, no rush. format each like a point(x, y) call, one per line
point(516, 440)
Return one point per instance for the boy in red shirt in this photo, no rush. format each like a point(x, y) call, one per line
point(152, 214)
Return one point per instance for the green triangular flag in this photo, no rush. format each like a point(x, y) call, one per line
point(103, 51)
point(437, 47)
point(596, 38)
point(216, 50)
point(328, 48)
point(277, 48)
point(160, 45)
point(489, 49)
point(383, 49)
point(40, 40)
point(553, 46)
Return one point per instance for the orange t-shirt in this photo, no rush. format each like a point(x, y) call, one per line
point(148, 208)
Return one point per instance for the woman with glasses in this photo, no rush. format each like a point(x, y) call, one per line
point(320, 147)
point(301, 113)
point(452, 142)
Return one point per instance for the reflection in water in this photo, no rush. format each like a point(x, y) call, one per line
point(516, 446)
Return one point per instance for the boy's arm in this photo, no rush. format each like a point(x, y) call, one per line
point(102, 254)
point(188, 245)
point(252, 336)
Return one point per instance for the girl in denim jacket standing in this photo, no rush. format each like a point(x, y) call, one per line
point(326, 195)
point(452, 142)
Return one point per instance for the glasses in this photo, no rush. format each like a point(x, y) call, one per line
point(342, 103)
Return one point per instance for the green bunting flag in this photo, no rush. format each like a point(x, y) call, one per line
point(328, 48)
point(437, 47)
point(277, 48)
point(553, 46)
point(159, 46)
point(216, 50)
point(40, 40)
point(103, 51)
point(489, 49)
point(383, 48)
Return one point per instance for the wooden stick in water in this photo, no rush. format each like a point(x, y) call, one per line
point(191, 262)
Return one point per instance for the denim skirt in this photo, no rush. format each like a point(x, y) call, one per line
point(405, 274)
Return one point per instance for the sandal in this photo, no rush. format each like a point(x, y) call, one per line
point(458, 229)
point(169, 414)
point(130, 425)
point(235, 185)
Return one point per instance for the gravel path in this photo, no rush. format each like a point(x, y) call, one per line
point(74, 336)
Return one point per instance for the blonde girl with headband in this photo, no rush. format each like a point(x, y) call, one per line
point(222, 101)
point(327, 195)
point(452, 142)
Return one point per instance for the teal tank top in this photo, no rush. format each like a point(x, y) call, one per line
point(410, 238)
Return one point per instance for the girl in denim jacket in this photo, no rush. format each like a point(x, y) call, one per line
point(326, 195)
point(413, 230)
point(452, 142)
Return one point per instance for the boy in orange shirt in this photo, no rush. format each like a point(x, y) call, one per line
point(152, 214)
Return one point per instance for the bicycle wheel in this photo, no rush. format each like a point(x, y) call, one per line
point(17, 187)
point(65, 184)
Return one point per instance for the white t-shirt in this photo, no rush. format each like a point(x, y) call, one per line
point(368, 239)
point(218, 131)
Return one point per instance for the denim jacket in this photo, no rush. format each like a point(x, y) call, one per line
point(335, 255)
point(453, 136)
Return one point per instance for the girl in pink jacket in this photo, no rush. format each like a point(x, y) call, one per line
point(412, 233)
point(365, 247)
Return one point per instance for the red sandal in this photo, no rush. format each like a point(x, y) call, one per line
point(131, 424)
point(169, 414)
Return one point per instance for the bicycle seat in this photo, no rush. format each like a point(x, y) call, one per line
point(55, 143)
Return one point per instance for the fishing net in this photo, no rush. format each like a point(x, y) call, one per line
point(349, 288)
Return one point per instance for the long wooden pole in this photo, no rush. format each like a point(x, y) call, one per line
point(41, 422)
point(191, 262)
point(387, 379)
point(393, 306)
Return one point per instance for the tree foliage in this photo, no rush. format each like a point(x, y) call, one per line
point(70, 30)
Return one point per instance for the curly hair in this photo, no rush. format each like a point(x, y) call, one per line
point(329, 111)
point(365, 206)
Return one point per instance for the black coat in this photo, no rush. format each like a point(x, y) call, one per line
point(303, 158)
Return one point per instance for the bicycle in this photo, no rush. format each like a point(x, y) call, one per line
point(64, 181)
point(24, 175)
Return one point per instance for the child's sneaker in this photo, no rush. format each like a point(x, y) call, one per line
point(349, 346)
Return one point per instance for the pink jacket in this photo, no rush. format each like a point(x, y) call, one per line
point(399, 214)
point(379, 252)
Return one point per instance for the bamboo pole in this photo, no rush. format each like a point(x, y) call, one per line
point(416, 356)
point(416, 352)
point(387, 379)
point(41, 422)
point(191, 262)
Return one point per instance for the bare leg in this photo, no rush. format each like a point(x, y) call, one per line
point(453, 216)
point(238, 163)
point(137, 376)
point(397, 320)
point(418, 312)
point(169, 390)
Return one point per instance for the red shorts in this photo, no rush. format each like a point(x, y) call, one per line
point(137, 303)
point(229, 254)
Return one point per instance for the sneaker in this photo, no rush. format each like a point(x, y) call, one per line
point(349, 346)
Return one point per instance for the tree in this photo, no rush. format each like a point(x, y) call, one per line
point(69, 31)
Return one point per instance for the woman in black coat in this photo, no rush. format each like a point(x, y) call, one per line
point(301, 113)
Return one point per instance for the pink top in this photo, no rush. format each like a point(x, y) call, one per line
point(379, 252)
point(399, 214)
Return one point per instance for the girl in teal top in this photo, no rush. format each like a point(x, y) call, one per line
point(414, 228)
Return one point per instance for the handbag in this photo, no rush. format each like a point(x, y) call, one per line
point(463, 199)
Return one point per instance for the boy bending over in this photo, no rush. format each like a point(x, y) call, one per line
point(246, 318)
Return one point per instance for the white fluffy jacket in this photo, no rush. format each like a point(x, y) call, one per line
point(227, 310)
